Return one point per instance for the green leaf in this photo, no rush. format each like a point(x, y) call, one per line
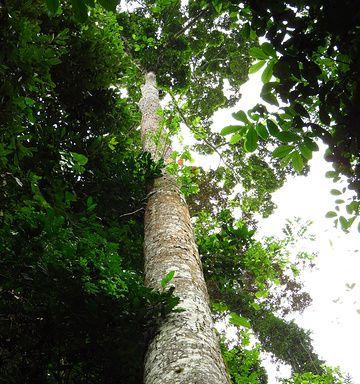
point(267, 73)
point(52, 6)
point(235, 138)
point(167, 278)
point(268, 49)
point(262, 131)
point(282, 151)
point(260, 294)
point(335, 192)
point(257, 53)
point(255, 67)
point(344, 223)
point(270, 98)
point(297, 161)
point(287, 136)
point(80, 10)
point(241, 116)
point(311, 144)
point(339, 201)
point(239, 321)
point(331, 174)
point(352, 207)
point(267, 95)
point(331, 214)
point(272, 127)
point(110, 5)
point(79, 158)
point(251, 140)
point(230, 129)
point(220, 307)
point(305, 151)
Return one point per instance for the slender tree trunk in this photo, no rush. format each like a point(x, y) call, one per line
point(186, 348)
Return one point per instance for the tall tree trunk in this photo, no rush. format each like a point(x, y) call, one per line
point(186, 348)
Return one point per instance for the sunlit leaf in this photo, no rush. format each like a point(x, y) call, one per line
point(251, 140)
point(257, 53)
point(297, 161)
point(282, 151)
point(167, 278)
point(241, 115)
point(230, 129)
point(239, 321)
point(255, 67)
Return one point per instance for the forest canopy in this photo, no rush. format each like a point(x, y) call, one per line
point(74, 179)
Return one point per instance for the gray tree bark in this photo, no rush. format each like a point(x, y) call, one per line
point(186, 347)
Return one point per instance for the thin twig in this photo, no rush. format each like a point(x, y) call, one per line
point(190, 23)
point(132, 213)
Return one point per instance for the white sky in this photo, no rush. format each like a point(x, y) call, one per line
point(335, 326)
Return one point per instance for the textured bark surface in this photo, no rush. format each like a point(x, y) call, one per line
point(186, 348)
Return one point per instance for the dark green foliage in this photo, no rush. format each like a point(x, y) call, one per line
point(73, 305)
point(313, 52)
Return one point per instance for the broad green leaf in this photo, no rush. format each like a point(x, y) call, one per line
point(267, 93)
point(239, 321)
point(335, 192)
point(344, 223)
point(255, 67)
point(297, 161)
point(235, 138)
point(311, 144)
point(251, 140)
point(90, 205)
point(79, 158)
point(241, 116)
point(282, 151)
point(272, 127)
point(270, 98)
point(331, 214)
point(268, 49)
point(339, 201)
point(286, 160)
point(110, 5)
point(257, 53)
point(305, 151)
point(331, 174)
point(52, 5)
point(230, 129)
point(267, 73)
point(287, 136)
point(262, 131)
point(256, 306)
point(167, 278)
